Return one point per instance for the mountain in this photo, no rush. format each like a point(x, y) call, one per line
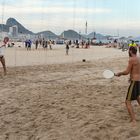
point(21, 29)
point(71, 35)
point(135, 38)
point(4, 28)
point(96, 35)
point(47, 34)
point(11, 22)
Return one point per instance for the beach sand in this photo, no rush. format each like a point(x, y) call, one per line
point(68, 100)
point(21, 57)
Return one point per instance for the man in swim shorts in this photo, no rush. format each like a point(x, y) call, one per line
point(133, 93)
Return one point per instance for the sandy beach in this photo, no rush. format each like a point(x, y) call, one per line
point(47, 95)
point(21, 57)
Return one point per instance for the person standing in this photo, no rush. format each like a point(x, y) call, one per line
point(29, 44)
point(132, 44)
point(67, 48)
point(133, 93)
point(43, 43)
point(2, 58)
point(50, 44)
point(46, 44)
point(36, 44)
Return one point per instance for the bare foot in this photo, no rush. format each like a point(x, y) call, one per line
point(133, 123)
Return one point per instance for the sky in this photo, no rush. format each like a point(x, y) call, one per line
point(108, 17)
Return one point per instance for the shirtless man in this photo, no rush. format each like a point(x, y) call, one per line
point(133, 69)
point(2, 59)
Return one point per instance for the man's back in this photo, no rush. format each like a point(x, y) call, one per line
point(135, 71)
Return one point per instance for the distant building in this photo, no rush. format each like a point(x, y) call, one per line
point(23, 37)
point(13, 31)
point(3, 34)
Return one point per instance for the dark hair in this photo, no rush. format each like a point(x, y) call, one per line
point(133, 41)
point(133, 50)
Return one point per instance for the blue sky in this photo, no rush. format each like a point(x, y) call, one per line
point(115, 17)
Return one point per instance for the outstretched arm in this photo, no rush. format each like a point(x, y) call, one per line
point(127, 71)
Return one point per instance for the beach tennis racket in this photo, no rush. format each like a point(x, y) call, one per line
point(108, 74)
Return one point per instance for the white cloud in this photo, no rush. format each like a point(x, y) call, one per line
point(49, 10)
